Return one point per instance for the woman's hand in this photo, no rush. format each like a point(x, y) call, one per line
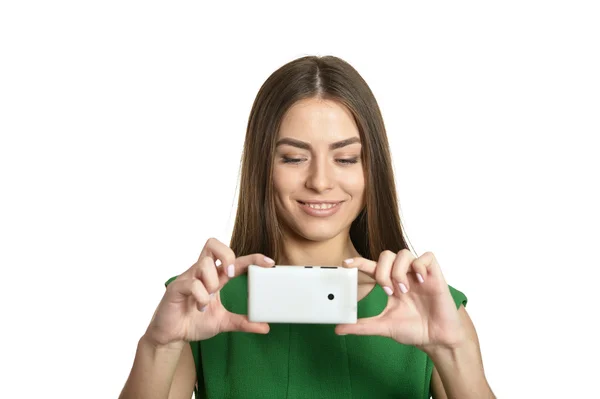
point(191, 308)
point(420, 309)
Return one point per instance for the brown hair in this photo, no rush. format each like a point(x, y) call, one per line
point(256, 228)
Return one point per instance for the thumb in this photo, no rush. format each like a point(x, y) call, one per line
point(364, 326)
point(238, 322)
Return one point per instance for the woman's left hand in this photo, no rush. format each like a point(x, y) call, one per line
point(420, 309)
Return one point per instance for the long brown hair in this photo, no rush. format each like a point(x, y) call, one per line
point(256, 228)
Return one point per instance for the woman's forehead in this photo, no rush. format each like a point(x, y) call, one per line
point(318, 120)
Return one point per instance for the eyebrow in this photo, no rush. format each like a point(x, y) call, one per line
point(305, 146)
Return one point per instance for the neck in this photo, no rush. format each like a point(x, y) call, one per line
point(298, 251)
point(302, 252)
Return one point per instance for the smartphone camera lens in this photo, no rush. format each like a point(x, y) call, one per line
point(330, 296)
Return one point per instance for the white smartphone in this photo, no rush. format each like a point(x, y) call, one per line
point(302, 294)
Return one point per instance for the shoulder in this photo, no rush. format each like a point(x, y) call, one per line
point(460, 300)
point(169, 281)
point(459, 297)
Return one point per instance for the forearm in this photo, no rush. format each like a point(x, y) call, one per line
point(152, 372)
point(461, 372)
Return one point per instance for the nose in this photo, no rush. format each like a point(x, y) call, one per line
point(320, 176)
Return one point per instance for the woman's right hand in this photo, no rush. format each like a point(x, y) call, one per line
point(191, 308)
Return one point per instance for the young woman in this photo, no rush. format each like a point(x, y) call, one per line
point(317, 188)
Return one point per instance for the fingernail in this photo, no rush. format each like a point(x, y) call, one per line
point(403, 288)
point(269, 260)
point(203, 308)
point(349, 260)
point(212, 295)
point(420, 278)
point(230, 271)
point(388, 290)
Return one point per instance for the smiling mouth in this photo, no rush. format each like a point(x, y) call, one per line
point(321, 206)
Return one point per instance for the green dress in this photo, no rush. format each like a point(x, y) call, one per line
point(301, 361)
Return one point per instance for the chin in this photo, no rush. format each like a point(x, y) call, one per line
point(317, 233)
point(319, 237)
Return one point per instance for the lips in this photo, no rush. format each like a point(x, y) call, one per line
point(320, 208)
point(320, 205)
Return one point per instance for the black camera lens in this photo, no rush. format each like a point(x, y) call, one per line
point(330, 296)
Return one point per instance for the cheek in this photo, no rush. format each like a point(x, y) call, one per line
point(283, 182)
point(354, 182)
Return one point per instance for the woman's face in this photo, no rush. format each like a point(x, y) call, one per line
point(318, 174)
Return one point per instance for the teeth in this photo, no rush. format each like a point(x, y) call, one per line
point(321, 206)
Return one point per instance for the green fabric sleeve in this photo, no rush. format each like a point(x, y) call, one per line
point(459, 297)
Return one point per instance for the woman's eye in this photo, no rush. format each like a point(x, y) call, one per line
point(348, 161)
point(292, 160)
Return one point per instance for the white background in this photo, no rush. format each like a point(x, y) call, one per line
point(122, 125)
